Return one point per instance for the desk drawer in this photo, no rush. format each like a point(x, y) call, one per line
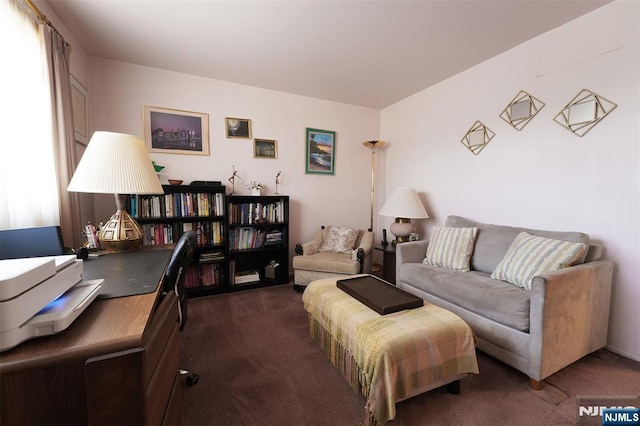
point(156, 338)
point(159, 387)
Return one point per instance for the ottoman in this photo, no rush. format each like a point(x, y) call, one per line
point(388, 358)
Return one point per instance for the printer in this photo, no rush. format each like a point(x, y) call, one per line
point(40, 296)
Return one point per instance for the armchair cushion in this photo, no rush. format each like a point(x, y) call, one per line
point(339, 240)
point(338, 263)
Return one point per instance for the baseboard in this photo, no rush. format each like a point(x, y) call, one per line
point(623, 353)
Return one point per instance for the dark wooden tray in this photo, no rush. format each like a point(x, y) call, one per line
point(379, 295)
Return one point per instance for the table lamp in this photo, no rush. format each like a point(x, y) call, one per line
point(404, 205)
point(116, 163)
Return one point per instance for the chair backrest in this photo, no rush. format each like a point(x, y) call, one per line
point(181, 258)
point(31, 242)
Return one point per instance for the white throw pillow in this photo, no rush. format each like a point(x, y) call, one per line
point(339, 240)
point(530, 255)
point(450, 247)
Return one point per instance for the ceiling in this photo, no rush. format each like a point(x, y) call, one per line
point(371, 53)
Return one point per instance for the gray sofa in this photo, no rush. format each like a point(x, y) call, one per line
point(561, 319)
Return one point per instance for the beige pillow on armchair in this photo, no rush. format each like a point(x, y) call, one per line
point(339, 240)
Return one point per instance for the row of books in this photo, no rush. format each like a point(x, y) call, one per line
point(208, 233)
point(177, 205)
point(254, 213)
point(250, 238)
point(207, 275)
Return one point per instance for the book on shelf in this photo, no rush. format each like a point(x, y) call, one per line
point(179, 204)
point(256, 213)
point(244, 277)
point(211, 256)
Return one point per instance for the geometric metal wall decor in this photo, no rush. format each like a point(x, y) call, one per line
point(584, 111)
point(521, 110)
point(477, 137)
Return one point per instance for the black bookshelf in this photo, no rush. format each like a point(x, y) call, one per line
point(201, 208)
point(258, 240)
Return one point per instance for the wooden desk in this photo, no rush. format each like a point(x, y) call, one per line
point(116, 364)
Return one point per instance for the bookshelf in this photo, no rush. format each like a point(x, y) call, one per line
point(202, 208)
point(258, 230)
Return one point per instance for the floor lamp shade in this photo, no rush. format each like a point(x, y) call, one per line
point(403, 204)
point(116, 163)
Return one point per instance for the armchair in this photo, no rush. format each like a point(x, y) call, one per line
point(333, 251)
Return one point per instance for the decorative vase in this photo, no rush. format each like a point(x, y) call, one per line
point(255, 192)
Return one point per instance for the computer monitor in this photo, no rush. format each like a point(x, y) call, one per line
point(31, 242)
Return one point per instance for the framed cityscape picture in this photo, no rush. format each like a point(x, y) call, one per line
point(265, 148)
point(320, 152)
point(175, 131)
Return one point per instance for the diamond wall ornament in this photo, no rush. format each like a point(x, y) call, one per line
point(522, 108)
point(477, 137)
point(583, 112)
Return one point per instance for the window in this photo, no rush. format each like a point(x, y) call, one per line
point(28, 184)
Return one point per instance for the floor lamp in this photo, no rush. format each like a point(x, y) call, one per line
point(373, 145)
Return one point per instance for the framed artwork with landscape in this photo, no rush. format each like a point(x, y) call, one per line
point(321, 152)
point(238, 127)
point(175, 131)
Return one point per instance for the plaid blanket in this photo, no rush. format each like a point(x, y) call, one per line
point(388, 358)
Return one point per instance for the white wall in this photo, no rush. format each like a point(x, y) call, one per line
point(119, 91)
point(543, 176)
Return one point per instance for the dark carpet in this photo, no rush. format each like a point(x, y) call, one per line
point(259, 366)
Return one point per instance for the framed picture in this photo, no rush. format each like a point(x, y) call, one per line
point(174, 131)
point(238, 127)
point(321, 152)
point(265, 148)
point(80, 116)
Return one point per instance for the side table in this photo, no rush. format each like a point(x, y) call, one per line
point(388, 262)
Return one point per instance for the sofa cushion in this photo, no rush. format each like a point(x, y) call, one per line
point(493, 241)
point(450, 247)
point(327, 262)
point(339, 240)
point(530, 255)
point(475, 291)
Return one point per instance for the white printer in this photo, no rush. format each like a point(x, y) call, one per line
point(41, 296)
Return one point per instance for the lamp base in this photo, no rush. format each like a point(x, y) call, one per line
point(121, 233)
point(401, 229)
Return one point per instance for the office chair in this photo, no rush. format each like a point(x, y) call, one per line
point(181, 258)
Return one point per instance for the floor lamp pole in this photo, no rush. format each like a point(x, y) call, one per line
point(372, 145)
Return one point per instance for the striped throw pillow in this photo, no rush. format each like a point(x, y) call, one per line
point(451, 248)
point(530, 255)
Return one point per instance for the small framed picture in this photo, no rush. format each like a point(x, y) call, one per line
point(321, 152)
point(173, 131)
point(238, 127)
point(80, 116)
point(265, 148)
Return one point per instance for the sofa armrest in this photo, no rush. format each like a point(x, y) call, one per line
point(569, 315)
point(410, 252)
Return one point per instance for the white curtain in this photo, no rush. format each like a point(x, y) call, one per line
point(28, 184)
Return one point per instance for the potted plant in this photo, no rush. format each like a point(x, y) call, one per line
point(255, 187)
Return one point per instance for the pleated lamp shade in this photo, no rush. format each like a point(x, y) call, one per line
point(116, 163)
point(403, 204)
